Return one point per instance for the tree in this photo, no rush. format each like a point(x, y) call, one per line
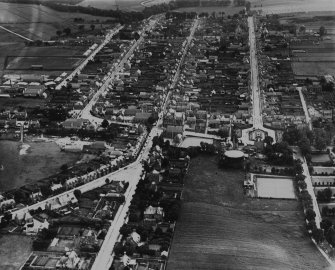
point(322, 31)
point(58, 33)
point(77, 193)
point(46, 190)
point(67, 31)
point(320, 143)
point(125, 230)
point(302, 29)
point(64, 167)
point(318, 235)
point(105, 123)
point(310, 214)
point(247, 6)
point(81, 27)
point(268, 140)
point(326, 224)
point(92, 27)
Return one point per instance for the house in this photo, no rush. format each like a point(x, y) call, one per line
point(33, 226)
point(142, 117)
point(74, 123)
point(34, 91)
point(95, 147)
point(153, 214)
point(172, 131)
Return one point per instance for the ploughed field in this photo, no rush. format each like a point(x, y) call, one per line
point(219, 228)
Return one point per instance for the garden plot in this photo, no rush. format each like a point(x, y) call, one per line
point(280, 188)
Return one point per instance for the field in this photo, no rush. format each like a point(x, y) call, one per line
point(37, 22)
point(281, 188)
point(26, 169)
point(289, 6)
point(14, 250)
point(128, 5)
point(48, 62)
point(220, 228)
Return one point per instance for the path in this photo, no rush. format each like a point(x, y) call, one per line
point(16, 34)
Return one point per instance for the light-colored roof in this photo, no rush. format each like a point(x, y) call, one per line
point(234, 154)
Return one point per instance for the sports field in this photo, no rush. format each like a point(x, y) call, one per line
point(220, 228)
point(281, 188)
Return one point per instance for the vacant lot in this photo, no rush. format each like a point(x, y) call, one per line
point(281, 188)
point(14, 250)
point(220, 228)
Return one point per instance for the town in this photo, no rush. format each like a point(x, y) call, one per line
point(188, 135)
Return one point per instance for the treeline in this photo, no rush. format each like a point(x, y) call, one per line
point(119, 15)
point(200, 3)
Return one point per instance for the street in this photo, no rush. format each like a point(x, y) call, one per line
point(89, 58)
point(86, 112)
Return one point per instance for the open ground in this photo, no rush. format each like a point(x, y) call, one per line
point(14, 250)
point(220, 228)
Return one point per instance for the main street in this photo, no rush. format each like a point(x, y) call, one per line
point(90, 57)
point(104, 258)
point(256, 97)
point(257, 119)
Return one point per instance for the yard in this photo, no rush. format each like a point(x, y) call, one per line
point(220, 228)
point(320, 158)
point(14, 250)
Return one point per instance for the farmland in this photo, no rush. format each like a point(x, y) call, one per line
point(128, 5)
point(212, 234)
point(290, 6)
point(39, 22)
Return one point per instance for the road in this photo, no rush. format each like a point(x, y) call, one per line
point(86, 112)
point(257, 120)
point(89, 58)
point(104, 258)
point(256, 96)
point(304, 106)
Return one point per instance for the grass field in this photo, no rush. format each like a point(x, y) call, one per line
point(14, 250)
point(220, 228)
